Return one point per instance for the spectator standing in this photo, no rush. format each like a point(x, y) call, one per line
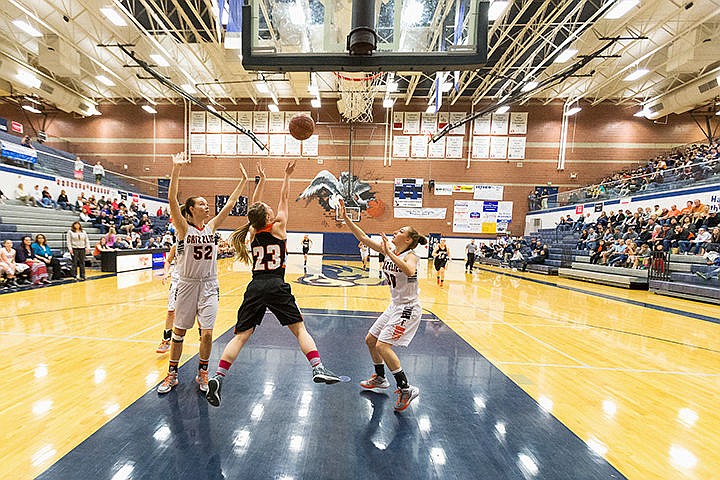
point(99, 172)
point(79, 169)
point(78, 244)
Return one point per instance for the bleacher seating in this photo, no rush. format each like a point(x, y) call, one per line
point(615, 276)
point(17, 220)
point(684, 283)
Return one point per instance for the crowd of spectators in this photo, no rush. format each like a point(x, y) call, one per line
point(682, 165)
point(516, 252)
point(627, 238)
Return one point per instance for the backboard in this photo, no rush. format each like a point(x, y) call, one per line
point(352, 212)
point(405, 35)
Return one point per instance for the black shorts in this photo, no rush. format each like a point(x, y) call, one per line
point(273, 293)
point(306, 250)
point(440, 264)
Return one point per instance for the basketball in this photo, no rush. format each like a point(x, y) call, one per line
point(301, 127)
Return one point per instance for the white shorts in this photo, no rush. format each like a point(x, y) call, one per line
point(398, 324)
point(171, 295)
point(199, 299)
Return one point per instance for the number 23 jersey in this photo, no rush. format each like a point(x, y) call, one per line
point(197, 254)
point(268, 253)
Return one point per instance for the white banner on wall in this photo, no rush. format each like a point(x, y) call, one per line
point(292, 146)
point(498, 147)
point(499, 123)
point(260, 122)
point(444, 189)
point(401, 146)
point(489, 217)
point(454, 118)
point(229, 145)
point(429, 122)
point(310, 146)
point(436, 149)
point(481, 147)
point(213, 144)
point(419, 147)
point(408, 192)
point(429, 213)
point(488, 192)
point(481, 125)
point(412, 123)
point(453, 147)
point(244, 145)
point(516, 148)
point(277, 122)
point(226, 127)
point(197, 122)
point(214, 125)
point(518, 123)
point(197, 143)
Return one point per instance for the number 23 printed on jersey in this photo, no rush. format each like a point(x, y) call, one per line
point(267, 257)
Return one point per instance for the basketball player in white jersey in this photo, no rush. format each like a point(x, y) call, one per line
point(397, 325)
point(170, 271)
point(197, 293)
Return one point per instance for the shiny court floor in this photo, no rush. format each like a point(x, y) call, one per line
point(522, 377)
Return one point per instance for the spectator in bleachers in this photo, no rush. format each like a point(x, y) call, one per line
point(167, 240)
point(26, 255)
point(153, 242)
point(101, 203)
point(78, 168)
point(642, 258)
point(9, 267)
point(517, 260)
point(102, 222)
point(47, 199)
point(38, 197)
point(26, 142)
point(63, 202)
point(111, 237)
point(79, 245)
point(713, 260)
point(540, 256)
point(99, 172)
point(617, 254)
point(123, 243)
point(101, 246)
point(80, 201)
point(688, 209)
point(23, 196)
point(700, 243)
point(44, 253)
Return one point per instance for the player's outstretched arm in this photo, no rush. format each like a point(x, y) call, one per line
point(259, 191)
point(408, 265)
point(180, 223)
point(281, 216)
point(223, 214)
point(357, 231)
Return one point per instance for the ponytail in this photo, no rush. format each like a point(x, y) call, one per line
point(416, 238)
point(237, 240)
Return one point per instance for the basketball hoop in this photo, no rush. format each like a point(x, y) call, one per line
point(352, 212)
point(357, 95)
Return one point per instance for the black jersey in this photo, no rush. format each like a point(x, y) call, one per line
point(268, 253)
point(442, 254)
point(306, 245)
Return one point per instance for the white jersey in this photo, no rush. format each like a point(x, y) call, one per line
point(364, 251)
point(403, 289)
point(196, 257)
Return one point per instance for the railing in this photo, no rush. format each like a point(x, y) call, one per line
point(704, 172)
point(659, 266)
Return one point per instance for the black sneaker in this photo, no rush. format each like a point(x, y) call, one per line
point(214, 386)
point(323, 375)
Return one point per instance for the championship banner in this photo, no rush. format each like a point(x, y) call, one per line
point(428, 213)
point(488, 192)
point(408, 192)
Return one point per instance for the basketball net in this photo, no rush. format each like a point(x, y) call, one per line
point(357, 95)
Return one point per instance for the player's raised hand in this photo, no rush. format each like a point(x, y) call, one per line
point(290, 167)
point(261, 170)
point(341, 212)
point(384, 244)
point(243, 172)
point(180, 158)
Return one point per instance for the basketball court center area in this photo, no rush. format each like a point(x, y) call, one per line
point(521, 376)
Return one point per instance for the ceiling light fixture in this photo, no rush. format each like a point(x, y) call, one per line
point(572, 111)
point(565, 55)
point(620, 8)
point(105, 80)
point(503, 109)
point(639, 73)
point(28, 79)
point(31, 109)
point(496, 9)
point(114, 17)
point(149, 109)
point(27, 28)
point(159, 60)
point(529, 86)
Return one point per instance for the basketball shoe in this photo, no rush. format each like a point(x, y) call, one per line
point(375, 382)
point(323, 375)
point(168, 383)
point(164, 347)
point(405, 396)
point(214, 386)
point(202, 380)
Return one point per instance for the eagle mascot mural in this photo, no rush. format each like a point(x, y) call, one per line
point(328, 189)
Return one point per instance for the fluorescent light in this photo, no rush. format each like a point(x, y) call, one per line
point(572, 111)
point(33, 100)
point(188, 88)
point(315, 103)
point(149, 109)
point(391, 87)
point(503, 109)
point(28, 79)
point(159, 60)
point(388, 103)
point(27, 28)
point(639, 73)
point(114, 17)
point(641, 113)
point(496, 9)
point(565, 55)
point(620, 9)
point(31, 109)
point(105, 80)
point(529, 86)
point(273, 107)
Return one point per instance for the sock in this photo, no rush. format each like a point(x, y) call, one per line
point(203, 365)
point(173, 366)
point(314, 358)
point(380, 370)
point(400, 378)
point(167, 334)
point(223, 368)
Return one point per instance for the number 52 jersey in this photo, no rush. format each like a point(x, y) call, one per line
point(197, 254)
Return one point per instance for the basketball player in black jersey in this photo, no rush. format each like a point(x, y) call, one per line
point(267, 289)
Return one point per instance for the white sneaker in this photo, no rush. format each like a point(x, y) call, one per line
point(375, 382)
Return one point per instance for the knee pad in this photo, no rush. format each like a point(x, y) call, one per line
point(177, 338)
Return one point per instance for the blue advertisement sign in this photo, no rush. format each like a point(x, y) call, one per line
point(490, 207)
point(158, 260)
